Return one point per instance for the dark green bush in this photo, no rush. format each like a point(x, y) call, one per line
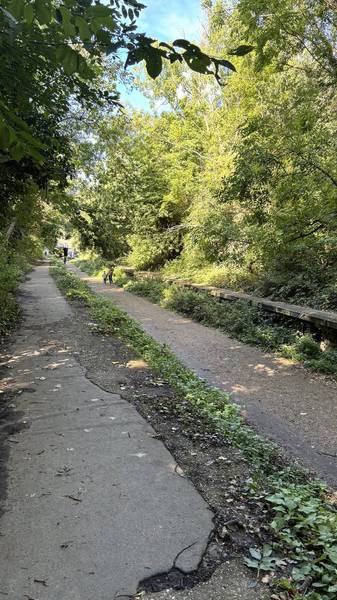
point(308, 347)
point(11, 275)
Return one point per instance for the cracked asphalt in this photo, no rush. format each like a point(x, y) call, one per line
point(92, 501)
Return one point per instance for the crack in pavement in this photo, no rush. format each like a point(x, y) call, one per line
point(129, 514)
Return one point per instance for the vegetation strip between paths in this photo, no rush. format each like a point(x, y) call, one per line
point(301, 512)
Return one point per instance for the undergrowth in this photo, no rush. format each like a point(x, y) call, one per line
point(238, 319)
point(92, 266)
point(11, 274)
point(301, 514)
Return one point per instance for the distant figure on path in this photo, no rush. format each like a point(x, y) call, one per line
point(105, 277)
point(65, 254)
point(110, 275)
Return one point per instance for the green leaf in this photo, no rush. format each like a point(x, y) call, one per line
point(300, 573)
point(255, 553)
point(68, 26)
point(154, 64)
point(69, 59)
point(267, 550)
point(199, 63)
point(83, 28)
point(182, 44)
point(43, 13)
point(29, 14)
point(241, 50)
point(332, 554)
point(226, 64)
point(7, 136)
point(16, 8)
point(17, 151)
point(100, 10)
point(252, 564)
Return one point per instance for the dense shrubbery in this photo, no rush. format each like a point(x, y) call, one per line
point(91, 265)
point(151, 289)
point(11, 275)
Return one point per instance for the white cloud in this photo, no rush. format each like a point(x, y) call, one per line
point(169, 20)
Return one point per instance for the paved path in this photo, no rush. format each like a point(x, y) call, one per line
point(286, 403)
point(88, 511)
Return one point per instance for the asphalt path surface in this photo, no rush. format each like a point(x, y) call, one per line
point(92, 502)
point(286, 403)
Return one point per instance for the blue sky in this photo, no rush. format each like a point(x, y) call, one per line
point(166, 20)
point(169, 19)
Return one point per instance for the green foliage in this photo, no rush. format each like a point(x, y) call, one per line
point(263, 560)
point(59, 63)
point(83, 34)
point(9, 312)
point(308, 347)
point(92, 266)
point(11, 274)
point(153, 290)
point(299, 513)
point(305, 523)
point(233, 186)
point(119, 276)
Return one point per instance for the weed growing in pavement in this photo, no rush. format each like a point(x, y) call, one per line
point(301, 514)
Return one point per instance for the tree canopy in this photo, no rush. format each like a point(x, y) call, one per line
point(236, 185)
point(233, 179)
point(59, 60)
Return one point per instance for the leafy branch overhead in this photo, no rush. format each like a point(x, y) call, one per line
point(58, 52)
point(191, 55)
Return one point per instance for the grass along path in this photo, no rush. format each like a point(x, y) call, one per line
point(301, 513)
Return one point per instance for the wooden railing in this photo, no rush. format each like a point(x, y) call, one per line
point(320, 318)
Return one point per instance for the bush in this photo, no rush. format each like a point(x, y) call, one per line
point(79, 295)
point(92, 266)
point(9, 312)
point(11, 275)
point(151, 289)
point(120, 277)
point(308, 347)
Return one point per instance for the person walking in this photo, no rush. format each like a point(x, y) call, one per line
point(65, 254)
point(110, 275)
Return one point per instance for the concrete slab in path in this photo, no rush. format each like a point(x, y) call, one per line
point(94, 503)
